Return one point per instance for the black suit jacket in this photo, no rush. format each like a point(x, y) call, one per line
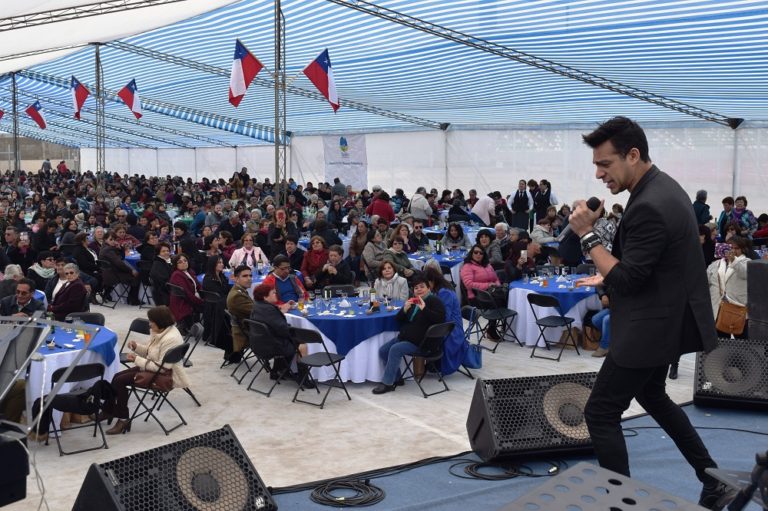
point(85, 260)
point(70, 298)
point(660, 305)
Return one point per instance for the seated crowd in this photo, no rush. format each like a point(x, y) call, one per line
point(77, 236)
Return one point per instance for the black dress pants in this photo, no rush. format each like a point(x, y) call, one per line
point(613, 391)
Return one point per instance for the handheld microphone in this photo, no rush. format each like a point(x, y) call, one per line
point(593, 203)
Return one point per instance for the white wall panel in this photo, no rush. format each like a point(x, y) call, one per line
point(176, 162)
point(215, 162)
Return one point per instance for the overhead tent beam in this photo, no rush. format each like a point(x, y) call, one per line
point(95, 123)
point(8, 127)
point(270, 84)
point(128, 120)
point(73, 13)
point(92, 134)
point(221, 122)
point(530, 60)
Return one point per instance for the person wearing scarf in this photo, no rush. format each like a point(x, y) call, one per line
point(248, 254)
point(314, 260)
point(417, 315)
point(43, 270)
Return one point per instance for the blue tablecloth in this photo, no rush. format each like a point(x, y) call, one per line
point(442, 259)
point(349, 331)
point(133, 259)
point(103, 343)
point(567, 296)
point(39, 295)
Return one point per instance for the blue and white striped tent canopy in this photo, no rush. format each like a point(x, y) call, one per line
point(711, 55)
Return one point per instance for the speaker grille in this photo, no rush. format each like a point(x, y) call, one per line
point(531, 414)
point(206, 473)
point(736, 370)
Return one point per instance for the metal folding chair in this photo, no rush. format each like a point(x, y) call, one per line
point(323, 358)
point(553, 321)
point(257, 333)
point(120, 289)
point(489, 311)
point(247, 353)
point(139, 326)
point(431, 350)
point(92, 318)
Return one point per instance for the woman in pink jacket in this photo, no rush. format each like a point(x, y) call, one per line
point(477, 273)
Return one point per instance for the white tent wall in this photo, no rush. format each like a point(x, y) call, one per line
point(698, 157)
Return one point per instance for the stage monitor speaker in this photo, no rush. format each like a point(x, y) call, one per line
point(514, 417)
point(733, 375)
point(586, 486)
point(208, 472)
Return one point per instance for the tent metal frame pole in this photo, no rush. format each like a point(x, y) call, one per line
point(73, 13)
point(531, 60)
point(101, 132)
point(735, 173)
point(15, 102)
point(281, 195)
point(131, 121)
point(263, 82)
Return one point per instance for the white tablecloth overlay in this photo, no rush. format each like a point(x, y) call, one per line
point(39, 378)
point(362, 362)
point(525, 324)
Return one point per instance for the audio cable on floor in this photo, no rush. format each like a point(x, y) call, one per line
point(365, 493)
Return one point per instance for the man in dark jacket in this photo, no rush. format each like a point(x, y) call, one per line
point(336, 271)
point(417, 315)
point(322, 229)
point(24, 303)
point(293, 252)
point(660, 305)
point(120, 271)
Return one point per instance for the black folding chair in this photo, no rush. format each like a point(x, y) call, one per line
point(446, 270)
point(258, 332)
point(469, 313)
point(553, 321)
point(158, 397)
point(488, 310)
point(323, 358)
point(80, 373)
point(195, 333)
point(431, 350)
point(120, 289)
point(92, 318)
point(247, 353)
point(584, 269)
point(139, 326)
point(338, 289)
point(144, 268)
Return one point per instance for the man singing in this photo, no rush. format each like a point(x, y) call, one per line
point(659, 300)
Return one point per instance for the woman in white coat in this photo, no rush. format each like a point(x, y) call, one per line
point(728, 276)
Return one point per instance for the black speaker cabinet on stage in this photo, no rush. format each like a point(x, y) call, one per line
point(733, 375)
point(15, 463)
point(208, 472)
point(513, 417)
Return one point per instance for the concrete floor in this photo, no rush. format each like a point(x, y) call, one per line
point(294, 443)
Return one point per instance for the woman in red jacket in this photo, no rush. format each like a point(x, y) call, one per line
point(380, 206)
point(184, 308)
point(314, 260)
point(477, 273)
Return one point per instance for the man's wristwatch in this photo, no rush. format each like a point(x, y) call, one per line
point(589, 241)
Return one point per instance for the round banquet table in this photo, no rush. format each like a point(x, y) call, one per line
point(101, 349)
point(357, 336)
point(574, 302)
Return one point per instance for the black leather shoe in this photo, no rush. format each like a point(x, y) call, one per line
point(717, 496)
point(400, 382)
point(383, 389)
point(673, 371)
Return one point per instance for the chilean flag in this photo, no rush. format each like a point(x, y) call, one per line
point(35, 111)
point(245, 67)
point(130, 96)
point(320, 73)
point(79, 95)
point(1, 114)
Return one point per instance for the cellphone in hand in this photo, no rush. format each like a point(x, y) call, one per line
point(524, 254)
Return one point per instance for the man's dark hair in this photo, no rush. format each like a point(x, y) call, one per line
point(337, 249)
point(280, 259)
point(292, 238)
point(240, 269)
point(180, 225)
point(623, 133)
point(29, 282)
point(728, 200)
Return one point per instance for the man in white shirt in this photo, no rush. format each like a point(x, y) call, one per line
point(484, 210)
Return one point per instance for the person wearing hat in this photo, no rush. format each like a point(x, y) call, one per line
point(484, 210)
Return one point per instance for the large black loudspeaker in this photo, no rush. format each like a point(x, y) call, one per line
point(757, 299)
point(513, 417)
point(733, 375)
point(209, 472)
